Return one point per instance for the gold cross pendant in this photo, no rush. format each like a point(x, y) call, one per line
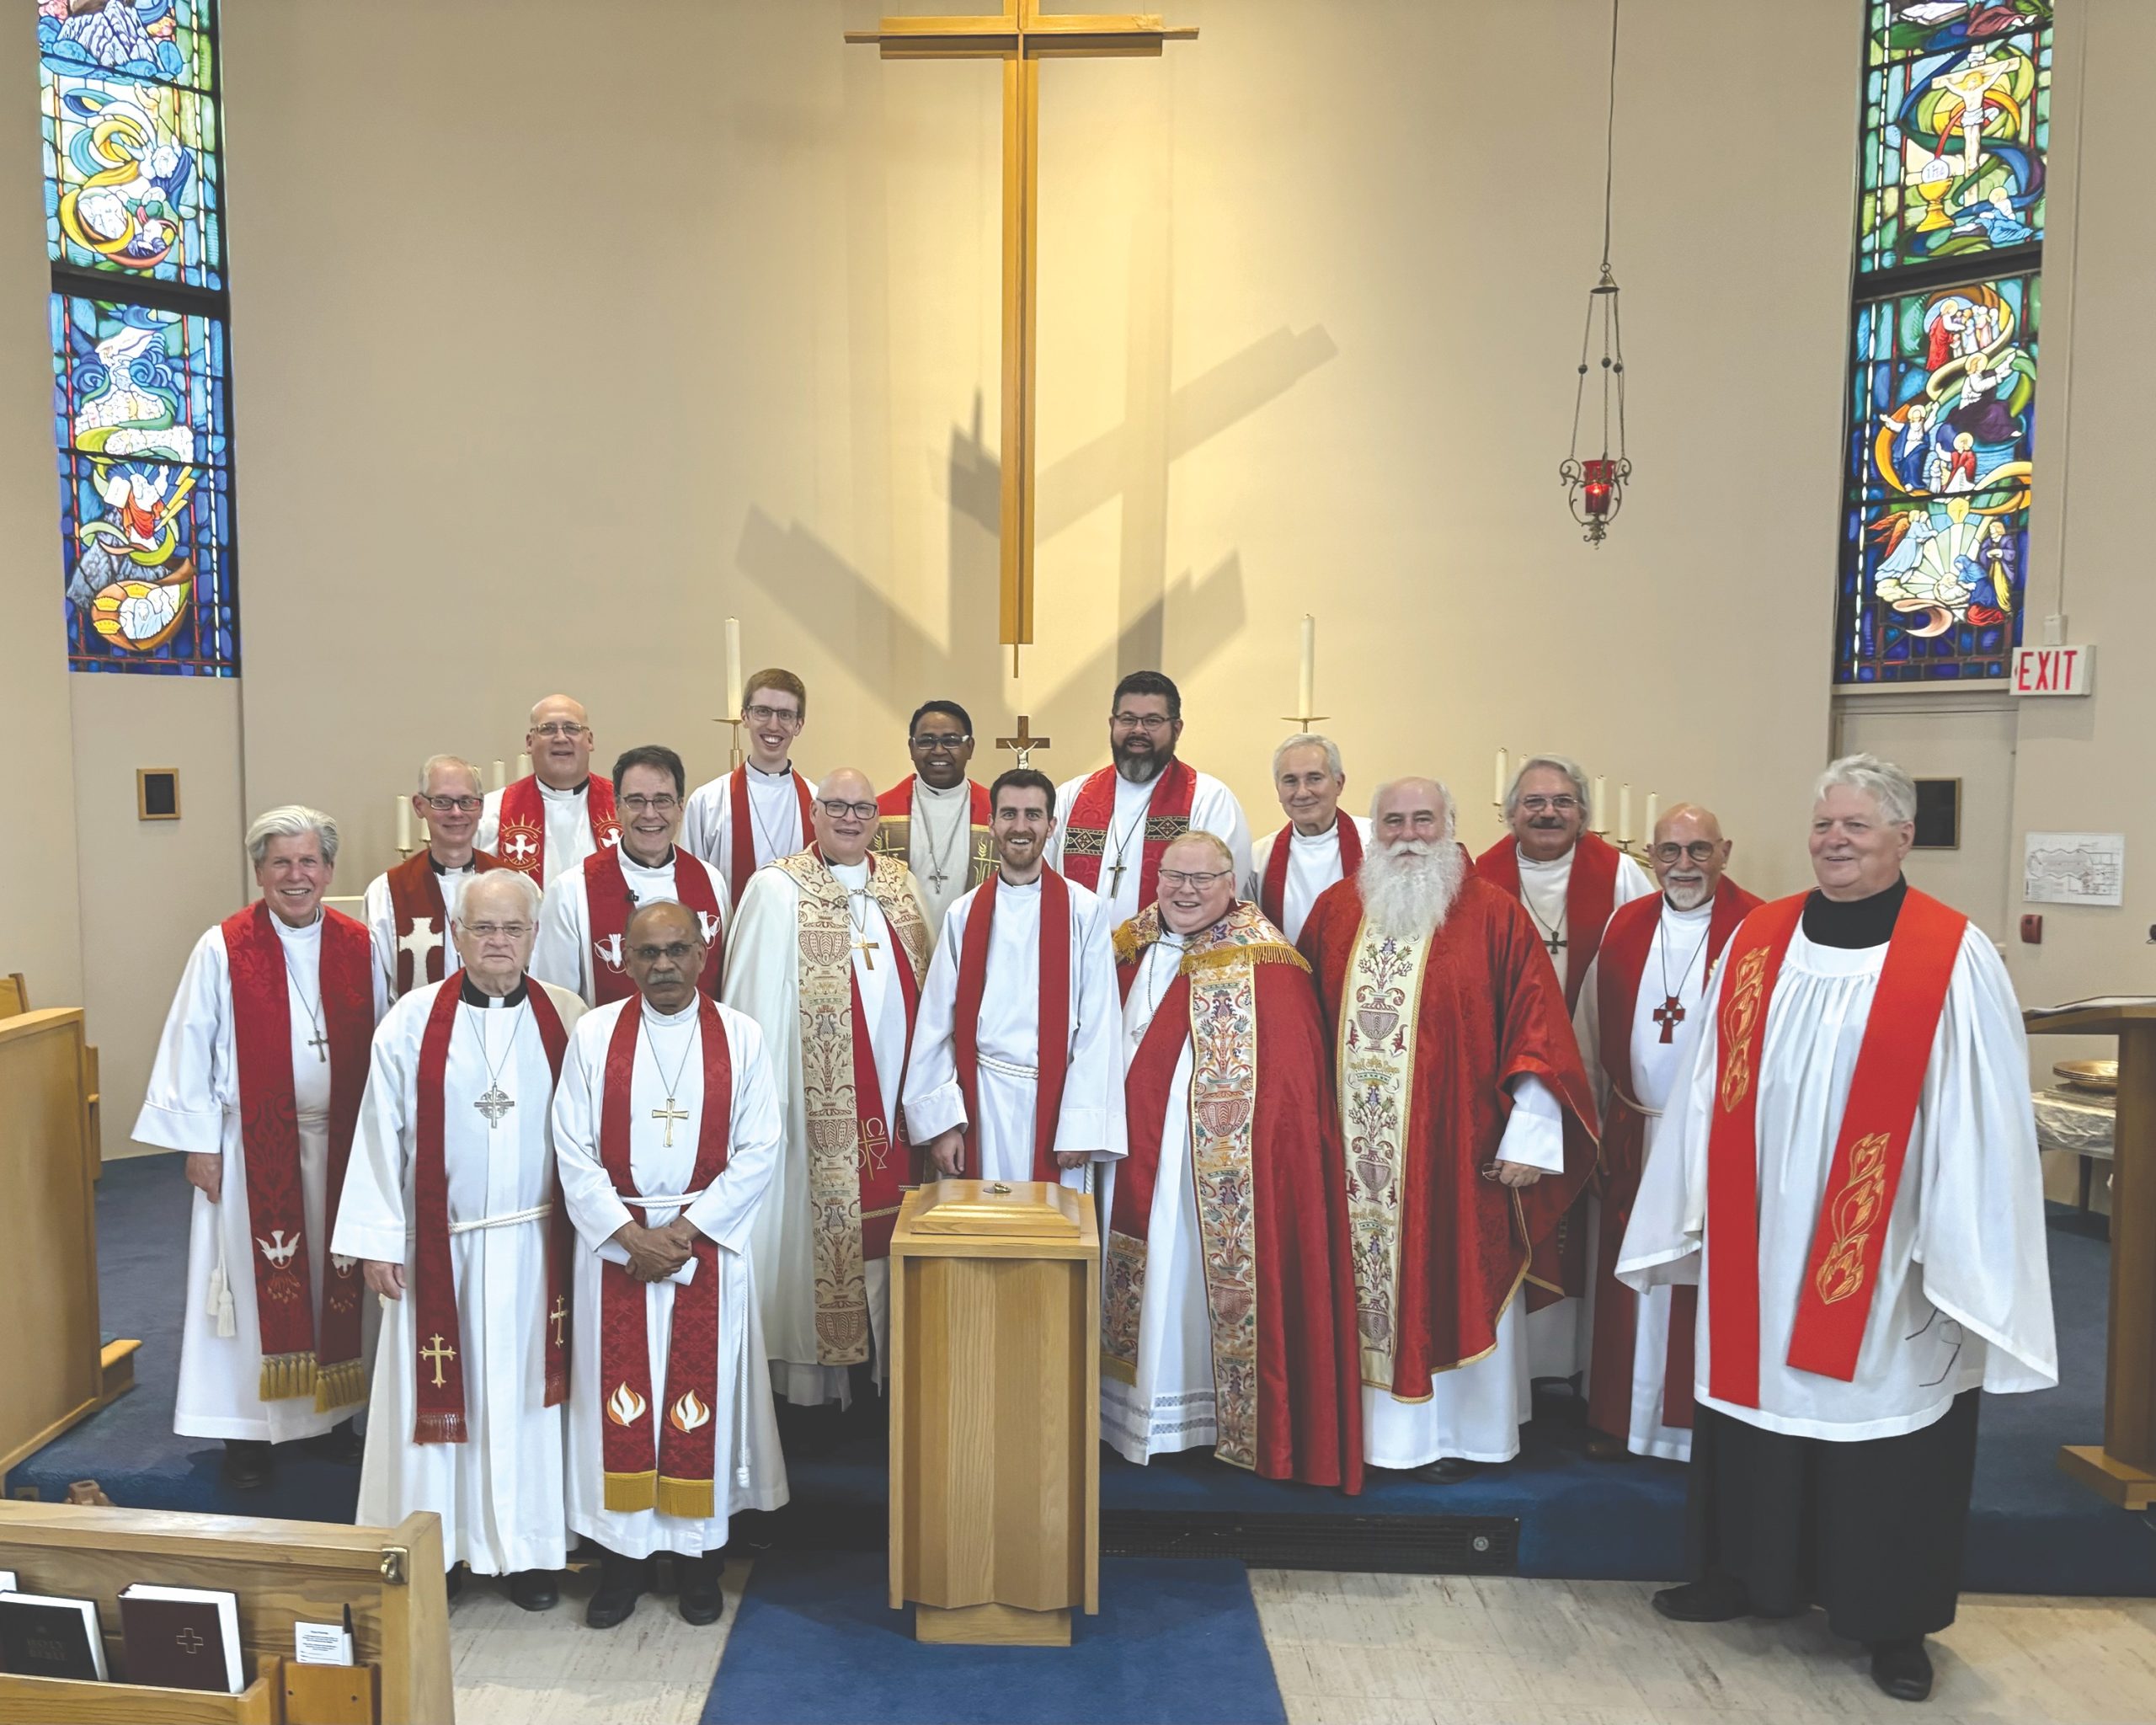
point(670, 1113)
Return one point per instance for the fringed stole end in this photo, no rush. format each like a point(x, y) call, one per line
point(687, 1499)
point(627, 1494)
point(439, 1428)
point(343, 1385)
point(1122, 1370)
point(285, 1376)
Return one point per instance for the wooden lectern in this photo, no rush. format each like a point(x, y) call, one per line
point(2123, 1467)
point(996, 1300)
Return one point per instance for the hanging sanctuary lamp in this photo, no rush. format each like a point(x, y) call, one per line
point(1594, 484)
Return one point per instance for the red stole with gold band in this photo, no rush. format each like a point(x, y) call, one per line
point(609, 903)
point(1052, 1056)
point(521, 833)
point(1590, 895)
point(675, 1477)
point(1092, 813)
point(415, 896)
point(1272, 890)
point(298, 1359)
point(741, 851)
point(437, 1338)
point(1869, 1146)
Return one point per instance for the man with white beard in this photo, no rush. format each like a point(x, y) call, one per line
point(1657, 956)
point(1466, 1125)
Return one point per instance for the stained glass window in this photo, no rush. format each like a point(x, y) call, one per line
point(133, 180)
point(1941, 444)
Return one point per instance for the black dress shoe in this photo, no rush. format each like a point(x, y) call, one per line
point(1449, 1471)
point(696, 1586)
point(622, 1581)
point(1902, 1668)
point(1603, 1448)
point(1718, 1600)
point(536, 1589)
point(247, 1464)
point(340, 1444)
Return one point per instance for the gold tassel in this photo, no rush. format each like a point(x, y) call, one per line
point(285, 1376)
point(1221, 958)
point(628, 1492)
point(686, 1499)
point(340, 1386)
point(1120, 1370)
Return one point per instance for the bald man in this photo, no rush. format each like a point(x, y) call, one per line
point(560, 812)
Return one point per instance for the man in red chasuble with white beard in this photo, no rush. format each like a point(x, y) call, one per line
point(1467, 1127)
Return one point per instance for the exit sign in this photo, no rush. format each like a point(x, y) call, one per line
point(2054, 670)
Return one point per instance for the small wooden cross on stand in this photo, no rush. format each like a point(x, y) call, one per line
point(1669, 1015)
point(1025, 742)
point(670, 1113)
point(437, 1353)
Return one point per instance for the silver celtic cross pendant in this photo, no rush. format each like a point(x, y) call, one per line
point(494, 1104)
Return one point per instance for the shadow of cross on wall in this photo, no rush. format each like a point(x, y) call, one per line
point(816, 585)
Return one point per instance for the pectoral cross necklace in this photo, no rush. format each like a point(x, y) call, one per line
point(495, 1101)
point(1553, 938)
point(861, 944)
point(670, 1113)
point(320, 1042)
point(1671, 1012)
point(941, 854)
point(1117, 869)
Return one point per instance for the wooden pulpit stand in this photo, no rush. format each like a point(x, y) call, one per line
point(995, 1299)
point(2123, 1467)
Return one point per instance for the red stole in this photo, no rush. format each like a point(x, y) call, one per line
point(1272, 890)
point(1092, 813)
point(1870, 1144)
point(1053, 1056)
point(1590, 895)
point(741, 854)
point(521, 833)
point(297, 1360)
point(609, 903)
point(678, 1479)
point(436, 1336)
point(415, 896)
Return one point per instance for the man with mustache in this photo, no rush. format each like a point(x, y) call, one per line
point(1227, 1319)
point(1317, 847)
point(936, 822)
point(1846, 1167)
point(759, 812)
point(827, 955)
point(1112, 826)
point(1657, 956)
point(561, 811)
point(1466, 1125)
point(409, 908)
point(584, 923)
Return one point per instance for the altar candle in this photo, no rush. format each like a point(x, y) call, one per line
point(733, 667)
point(1654, 815)
point(501, 776)
point(1625, 833)
point(404, 824)
point(1602, 802)
point(1306, 685)
point(1504, 779)
point(524, 767)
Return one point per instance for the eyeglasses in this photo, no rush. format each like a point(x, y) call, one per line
point(455, 805)
point(560, 728)
point(1699, 851)
point(942, 740)
point(497, 930)
point(1175, 879)
point(1544, 805)
point(1149, 722)
point(837, 809)
point(679, 953)
point(637, 804)
point(760, 714)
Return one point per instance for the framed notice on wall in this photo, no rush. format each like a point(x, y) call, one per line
point(2073, 869)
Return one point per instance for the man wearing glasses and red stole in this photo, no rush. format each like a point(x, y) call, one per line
point(409, 908)
point(827, 953)
point(561, 811)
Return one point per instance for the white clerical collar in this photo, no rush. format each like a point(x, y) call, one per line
point(854, 875)
point(1313, 840)
point(1530, 865)
point(447, 869)
point(306, 933)
point(652, 1015)
point(650, 871)
point(1006, 885)
point(757, 772)
point(570, 795)
point(1702, 912)
point(921, 787)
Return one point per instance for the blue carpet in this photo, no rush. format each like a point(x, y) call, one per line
point(1175, 1641)
point(2031, 1530)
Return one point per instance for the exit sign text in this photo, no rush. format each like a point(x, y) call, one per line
point(2054, 670)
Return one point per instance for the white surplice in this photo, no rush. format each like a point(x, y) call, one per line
point(1212, 809)
point(763, 981)
point(749, 1471)
point(774, 815)
point(1676, 961)
point(564, 954)
point(381, 918)
point(940, 840)
point(499, 1492)
point(193, 1104)
point(1313, 865)
point(1007, 1043)
point(1962, 1297)
point(568, 827)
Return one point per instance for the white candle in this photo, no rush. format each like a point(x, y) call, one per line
point(404, 824)
point(733, 667)
point(524, 767)
point(501, 777)
point(1504, 779)
point(1625, 833)
point(1654, 816)
point(1306, 685)
point(1601, 802)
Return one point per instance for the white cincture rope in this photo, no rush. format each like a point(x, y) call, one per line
point(684, 1199)
point(1009, 1068)
point(538, 1212)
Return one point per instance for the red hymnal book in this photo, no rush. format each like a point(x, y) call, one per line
point(182, 1637)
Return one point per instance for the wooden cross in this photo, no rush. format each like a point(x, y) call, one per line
point(670, 1113)
point(1669, 1015)
point(438, 1354)
point(1022, 35)
point(1025, 742)
point(559, 1316)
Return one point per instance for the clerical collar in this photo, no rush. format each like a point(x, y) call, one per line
point(575, 790)
point(1326, 834)
point(664, 865)
point(305, 931)
point(923, 788)
point(472, 995)
point(1563, 862)
point(785, 772)
point(1009, 885)
point(852, 874)
point(653, 1016)
point(441, 868)
point(1705, 907)
point(1850, 924)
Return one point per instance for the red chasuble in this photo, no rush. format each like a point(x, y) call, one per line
point(1092, 812)
point(609, 903)
point(1870, 1144)
point(1272, 890)
point(895, 830)
point(1439, 1249)
point(436, 1335)
point(675, 1477)
point(1627, 944)
point(1279, 1288)
point(1590, 895)
point(415, 896)
point(1053, 1056)
point(741, 850)
point(298, 1359)
point(520, 835)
